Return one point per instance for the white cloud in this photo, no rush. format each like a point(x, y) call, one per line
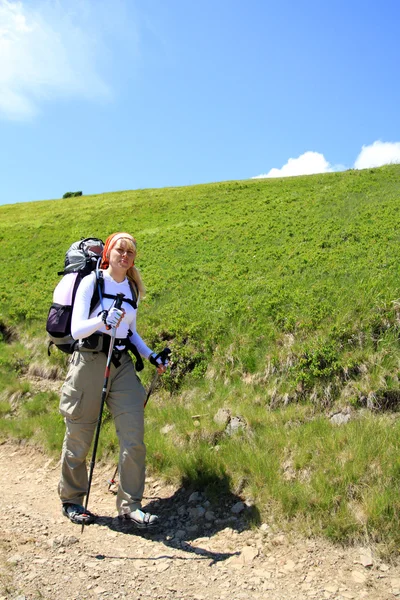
point(378, 154)
point(375, 155)
point(306, 164)
point(51, 49)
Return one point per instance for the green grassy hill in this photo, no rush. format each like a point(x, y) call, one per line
point(279, 300)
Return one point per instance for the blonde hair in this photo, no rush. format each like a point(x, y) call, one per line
point(127, 242)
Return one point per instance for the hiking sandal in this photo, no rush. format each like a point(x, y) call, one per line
point(140, 519)
point(77, 514)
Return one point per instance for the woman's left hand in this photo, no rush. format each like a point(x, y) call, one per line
point(161, 368)
point(160, 365)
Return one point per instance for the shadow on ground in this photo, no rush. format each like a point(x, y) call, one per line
point(192, 515)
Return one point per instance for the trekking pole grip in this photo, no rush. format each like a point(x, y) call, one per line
point(117, 304)
point(164, 355)
point(118, 301)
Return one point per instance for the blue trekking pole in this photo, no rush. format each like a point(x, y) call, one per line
point(117, 304)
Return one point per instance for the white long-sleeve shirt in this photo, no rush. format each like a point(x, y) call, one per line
point(83, 326)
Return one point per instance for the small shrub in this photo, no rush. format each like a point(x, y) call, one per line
point(72, 194)
point(317, 363)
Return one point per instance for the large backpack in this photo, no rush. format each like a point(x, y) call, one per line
point(81, 259)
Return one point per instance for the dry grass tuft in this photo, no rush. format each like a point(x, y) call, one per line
point(50, 372)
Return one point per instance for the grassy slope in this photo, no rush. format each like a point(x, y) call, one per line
point(278, 290)
point(314, 257)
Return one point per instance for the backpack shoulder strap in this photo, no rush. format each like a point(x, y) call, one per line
point(99, 293)
point(98, 289)
point(135, 292)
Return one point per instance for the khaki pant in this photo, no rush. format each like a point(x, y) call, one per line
point(80, 405)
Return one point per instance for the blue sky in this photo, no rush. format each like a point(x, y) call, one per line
point(106, 95)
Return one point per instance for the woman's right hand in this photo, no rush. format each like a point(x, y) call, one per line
point(114, 317)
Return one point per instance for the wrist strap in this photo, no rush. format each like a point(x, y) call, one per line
point(153, 359)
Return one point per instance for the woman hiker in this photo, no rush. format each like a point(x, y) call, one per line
point(82, 390)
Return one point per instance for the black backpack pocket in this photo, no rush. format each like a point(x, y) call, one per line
point(58, 322)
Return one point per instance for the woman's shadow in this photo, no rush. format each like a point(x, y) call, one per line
point(202, 506)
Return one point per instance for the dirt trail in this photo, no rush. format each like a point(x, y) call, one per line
point(44, 556)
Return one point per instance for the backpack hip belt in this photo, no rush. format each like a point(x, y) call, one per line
point(99, 342)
